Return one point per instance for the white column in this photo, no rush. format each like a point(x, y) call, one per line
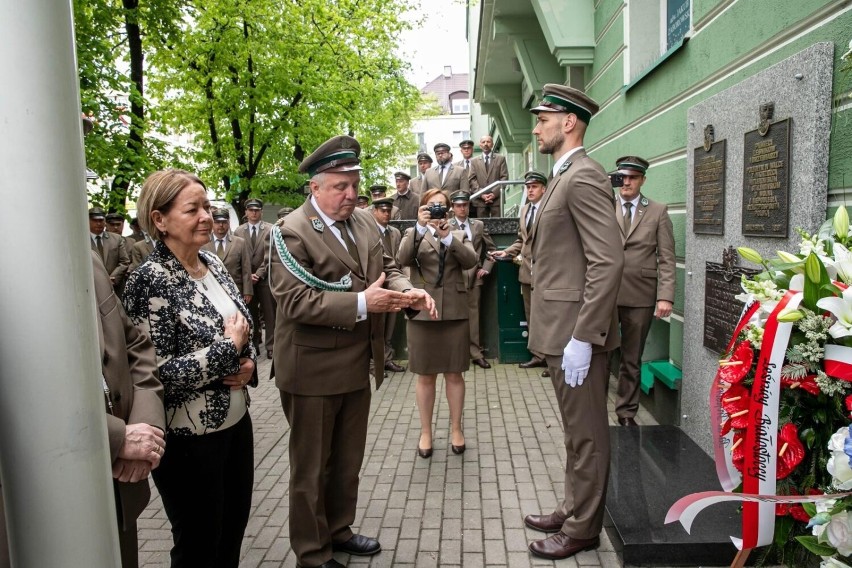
point(54, 459)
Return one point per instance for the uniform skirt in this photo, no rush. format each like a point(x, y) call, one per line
point(438, 346)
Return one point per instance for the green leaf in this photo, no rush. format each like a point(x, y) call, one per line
point(750, 255)
point(810, 508)
point(810, 542)
point(807, 436)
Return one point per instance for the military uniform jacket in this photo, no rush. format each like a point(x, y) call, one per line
point(237, 261)
point(577, 261)
point(649, 257)
point(319, 348)
point(482, 244)
point(481, 176)
point(129, 366)
point(140, 252)
point(408, 204)
point(258, 252)
point(391, 245)
point(450, 294)
point(455, 179)
point(521, 246)
point(116, 258)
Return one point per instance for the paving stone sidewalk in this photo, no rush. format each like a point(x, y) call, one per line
point(445, 511)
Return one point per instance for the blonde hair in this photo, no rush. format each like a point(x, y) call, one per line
point(429, 194)
point(158, 194)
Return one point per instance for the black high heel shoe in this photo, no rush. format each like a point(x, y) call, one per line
point(458, 450)
point(427, 453)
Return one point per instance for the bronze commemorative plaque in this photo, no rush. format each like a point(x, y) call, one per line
point(766, 181)
point(722, 310)
point(708, 201)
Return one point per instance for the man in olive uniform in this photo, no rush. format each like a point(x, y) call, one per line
point(418, 185)
point(391, 237)
point(445, 175)
point(232, 251)
point(109, 246)
point(255, 232)
point(484, 246)
point(466, 147)
point(333, 284)
point(379, 191)
point(647, 287)
point(405, 199)
point(485, 170)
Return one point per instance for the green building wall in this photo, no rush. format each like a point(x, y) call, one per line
point(729, 41)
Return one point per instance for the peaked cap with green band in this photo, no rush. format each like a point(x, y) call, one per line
point(559, 98)
point(533, 176)
point(338, 154)
point(631, 165)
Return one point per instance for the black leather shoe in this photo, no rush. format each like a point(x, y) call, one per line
point(533, 363)
point(458, 450)
point(561, 546)
point(358, 545)
point(330, 564)
point(481, 362)
point(424, 453)
point(269, 353)
point(629, 421)
point(545, 523)
point(545, 373)
point(393, 367)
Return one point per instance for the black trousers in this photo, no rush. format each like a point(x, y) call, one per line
point(206, 484)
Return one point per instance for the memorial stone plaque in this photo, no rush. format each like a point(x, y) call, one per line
point(708, 210)
point(766, 181)
point(721, 308)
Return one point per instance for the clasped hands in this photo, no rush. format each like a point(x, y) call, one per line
point(383, 300)
point(141, 452)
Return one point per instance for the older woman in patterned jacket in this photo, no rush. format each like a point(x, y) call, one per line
point(185, 300)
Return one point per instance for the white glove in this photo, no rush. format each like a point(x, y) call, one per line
point(576, 359)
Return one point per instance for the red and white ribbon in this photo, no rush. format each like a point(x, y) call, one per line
point(838, 362)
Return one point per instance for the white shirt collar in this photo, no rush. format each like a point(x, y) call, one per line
point(564, 159)
point(382, 230)
point(634, 201)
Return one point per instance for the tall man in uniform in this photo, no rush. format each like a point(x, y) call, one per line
point(445, 175)
point(576, 270)
point(535, 183)
point(484, 246)
point(233, 252)
point(109, 246)
point(485, 170)
point(647, 287)
point(466, 147)
point(418, 185)
point(332, 295)
point(406, 199)
point(256, 234)
point(391, 237)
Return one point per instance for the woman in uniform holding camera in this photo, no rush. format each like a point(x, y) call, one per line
point(438, 257)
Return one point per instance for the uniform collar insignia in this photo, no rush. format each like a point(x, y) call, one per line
point(564, 167)
point(317, 224)
point(644, 201)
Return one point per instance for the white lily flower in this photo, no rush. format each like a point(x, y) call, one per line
point(843, 262)
point(797, 282)
point(841, 309)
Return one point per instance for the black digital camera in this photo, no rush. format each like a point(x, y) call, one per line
point(616, 179)
point(437, 211)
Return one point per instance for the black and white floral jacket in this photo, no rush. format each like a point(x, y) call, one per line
point(188, 335)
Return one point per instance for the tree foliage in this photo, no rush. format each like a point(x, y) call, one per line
point(258, 84)
point(112, 37)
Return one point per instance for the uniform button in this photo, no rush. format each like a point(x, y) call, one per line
point(603, 334)
point(117, 396)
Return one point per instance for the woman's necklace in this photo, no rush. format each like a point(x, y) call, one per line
point(197, 274)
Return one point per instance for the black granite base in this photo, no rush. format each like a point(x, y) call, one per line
point(652, 467)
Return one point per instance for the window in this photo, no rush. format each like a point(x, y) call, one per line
point(421, 141)
point(459, 135)
point(653, 28)
point(461, 106)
